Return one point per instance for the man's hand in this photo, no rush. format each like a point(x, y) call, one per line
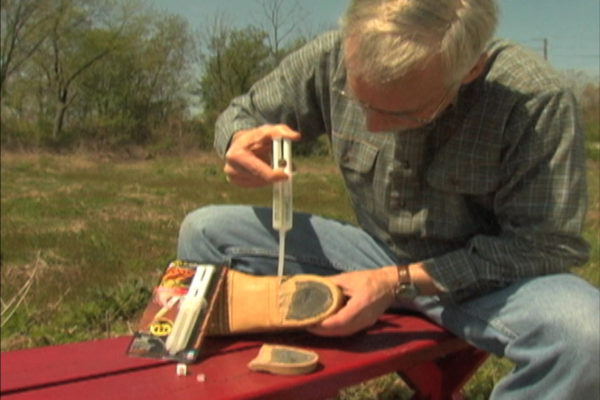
point(247, 162)
point(370, 293)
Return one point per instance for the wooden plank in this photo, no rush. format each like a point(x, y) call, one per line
point(396, 342)
point(64, 363)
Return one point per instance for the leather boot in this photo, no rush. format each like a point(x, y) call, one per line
point(248, 303)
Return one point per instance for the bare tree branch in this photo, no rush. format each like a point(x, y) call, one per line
point(281, 19)
point(22, 34)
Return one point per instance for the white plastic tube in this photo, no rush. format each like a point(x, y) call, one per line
point(282, 196)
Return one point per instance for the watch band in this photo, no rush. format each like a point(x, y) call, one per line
point(403, 275)
point(405, 289)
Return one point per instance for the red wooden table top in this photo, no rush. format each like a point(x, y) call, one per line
point(101, 369)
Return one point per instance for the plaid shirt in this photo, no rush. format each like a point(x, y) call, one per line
point(491, 192)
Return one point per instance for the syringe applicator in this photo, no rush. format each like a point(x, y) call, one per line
point(282, 196)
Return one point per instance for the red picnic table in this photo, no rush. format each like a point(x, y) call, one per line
point(431, 360)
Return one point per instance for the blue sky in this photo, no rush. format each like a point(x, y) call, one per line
point(571, 27)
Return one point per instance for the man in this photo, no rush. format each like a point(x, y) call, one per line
point(463, 158)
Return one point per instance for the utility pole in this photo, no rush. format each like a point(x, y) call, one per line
point(544, 48)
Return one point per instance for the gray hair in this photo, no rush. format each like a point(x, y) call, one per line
point(393, 37)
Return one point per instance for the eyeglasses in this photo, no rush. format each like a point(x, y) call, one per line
point(399, 114)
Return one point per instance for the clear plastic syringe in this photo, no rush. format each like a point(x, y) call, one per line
point(282, 196)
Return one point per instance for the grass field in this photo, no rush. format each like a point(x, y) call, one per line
point(84, 238)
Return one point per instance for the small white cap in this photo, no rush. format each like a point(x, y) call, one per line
point(181, 369)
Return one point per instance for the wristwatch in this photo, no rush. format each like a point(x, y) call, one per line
point(405, 289)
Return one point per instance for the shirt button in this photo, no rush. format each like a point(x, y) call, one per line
point(396, 201)
point(401, 164)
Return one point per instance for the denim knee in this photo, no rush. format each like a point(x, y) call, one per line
point(199, 222)
point(579, 326)
point(195, 232)
point(567, 329)
point(576, 330)
point(571, 314)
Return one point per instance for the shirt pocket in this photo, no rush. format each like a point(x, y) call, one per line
point(357, 161)
point(460, 193)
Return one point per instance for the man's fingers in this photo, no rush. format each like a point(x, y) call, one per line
point(281, 131)
point(343, 323)
point(252, 172)
point(247, 160)
point(250, 181)
point(263, 136)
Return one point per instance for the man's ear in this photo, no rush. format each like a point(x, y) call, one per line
point(476, 70)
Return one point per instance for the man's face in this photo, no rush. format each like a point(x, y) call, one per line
point(406, 103)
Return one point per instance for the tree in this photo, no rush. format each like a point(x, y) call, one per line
point(23, 31)
point(590, 111)
point(281, 21)
point(233, 60)
point(142, 81)
point(126, 66)
point(587, 90)
point(82, 32)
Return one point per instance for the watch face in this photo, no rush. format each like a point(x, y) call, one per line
point(407, 292)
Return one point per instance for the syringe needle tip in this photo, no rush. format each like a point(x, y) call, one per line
point(281, 257)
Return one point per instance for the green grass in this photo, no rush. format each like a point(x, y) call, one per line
point(82, 227)
point(83, 239)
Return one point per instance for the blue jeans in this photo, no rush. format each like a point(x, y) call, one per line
point(548, 326)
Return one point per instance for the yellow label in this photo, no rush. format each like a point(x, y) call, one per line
point(161, 327)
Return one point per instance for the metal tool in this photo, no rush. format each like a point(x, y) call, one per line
point(282, 196)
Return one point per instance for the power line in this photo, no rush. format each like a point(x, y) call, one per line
point(544, 49)
point(578, 55)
